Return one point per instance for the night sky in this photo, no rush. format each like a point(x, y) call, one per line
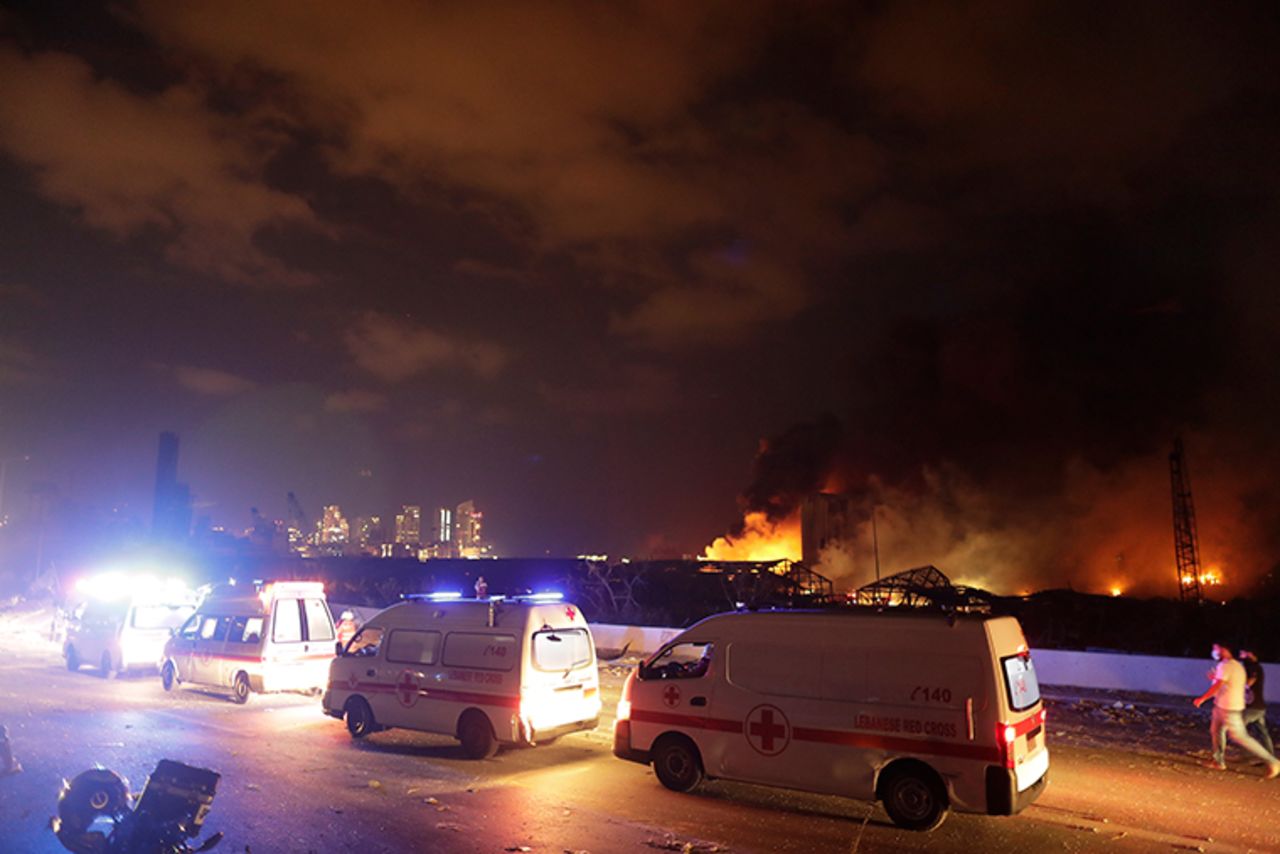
point(977, 262)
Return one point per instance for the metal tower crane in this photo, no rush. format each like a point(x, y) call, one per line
point(1186, 542)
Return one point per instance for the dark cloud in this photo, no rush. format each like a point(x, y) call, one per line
point(1013, 249)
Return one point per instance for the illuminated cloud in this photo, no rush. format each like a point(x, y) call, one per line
point(355, 400)
point(394, 350)
point(19, 364)
point(161, 164)
point(209, 381)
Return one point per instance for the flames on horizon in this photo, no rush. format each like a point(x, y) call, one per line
point(759, 540)
point(1104, 531)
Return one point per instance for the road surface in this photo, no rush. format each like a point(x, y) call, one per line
point(294, 781)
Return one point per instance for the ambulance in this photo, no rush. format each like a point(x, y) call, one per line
point(489, 672)
point(278, 637)
point(924, 712)
point(125, 621)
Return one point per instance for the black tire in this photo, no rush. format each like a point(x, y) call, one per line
point(104, 665)
point(677, 764)
point(73, 659)
point(168, 676)
point(476, 735)
point(240, 689)
point(360, 720)
point(915, 799)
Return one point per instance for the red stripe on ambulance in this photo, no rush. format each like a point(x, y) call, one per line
point(829, 736)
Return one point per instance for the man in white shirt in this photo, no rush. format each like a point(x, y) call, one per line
point(1227, 690)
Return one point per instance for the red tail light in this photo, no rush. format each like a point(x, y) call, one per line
point(1006, 734)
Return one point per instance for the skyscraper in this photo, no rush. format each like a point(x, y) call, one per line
point(409, 525)
point(467, 531)
point(334, 529)
point(171, 513)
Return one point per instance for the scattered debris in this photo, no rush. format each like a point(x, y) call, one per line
point(517, 848)
point(671, 843)
point(448, 825)
point(431, 800)
point(375, 784)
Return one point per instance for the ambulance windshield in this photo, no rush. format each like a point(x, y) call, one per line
point(1020, 681)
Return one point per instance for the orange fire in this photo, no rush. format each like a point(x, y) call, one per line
point(760, 540)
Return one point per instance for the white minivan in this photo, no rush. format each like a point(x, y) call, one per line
point(125, 628)
point(922, 711)
point(277, 638)
point(490, 672)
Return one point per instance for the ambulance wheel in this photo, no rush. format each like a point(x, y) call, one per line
point(914, 798)
point(476, 735)
point(168, 676)
point(240, 689)
point(73, 659)
point(360, 720)
point(677, 763)
point(105, 666)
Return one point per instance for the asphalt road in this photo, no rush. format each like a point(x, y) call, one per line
point(293, 781)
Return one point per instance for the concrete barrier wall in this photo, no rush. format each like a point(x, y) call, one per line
point(1153, 673)
point(1157, 674)
point(642, 639)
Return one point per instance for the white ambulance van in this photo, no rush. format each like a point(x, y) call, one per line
point(489, 672)
point(276, 638)
point(922, 711)
point(125, 622)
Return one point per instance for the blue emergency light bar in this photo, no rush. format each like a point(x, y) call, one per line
point(439, 596)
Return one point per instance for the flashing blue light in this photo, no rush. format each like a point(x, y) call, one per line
point(545, 597)
point(444, 596)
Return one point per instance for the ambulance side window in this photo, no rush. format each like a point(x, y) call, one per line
point(189, 629)
point(481, 651)
point(209, 629)
point(679, 661)
point(366, 643)
point(775, 668)
point(245, 630)
point(406, 646)
point(287, 627)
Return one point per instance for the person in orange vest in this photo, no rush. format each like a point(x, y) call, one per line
point(346, 628)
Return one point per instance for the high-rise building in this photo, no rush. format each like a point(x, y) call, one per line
point(409, 525)
point(468, 522)
point(171, 513)
point(444, 525)
point(334, 529)
point(369, 534)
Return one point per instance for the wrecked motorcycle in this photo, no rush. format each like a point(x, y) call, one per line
point(95, 816)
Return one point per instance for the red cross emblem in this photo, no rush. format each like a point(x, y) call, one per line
point(570, 612)
point(671, 695)
point(768, 730)
point(353, 680)
point(407, 689)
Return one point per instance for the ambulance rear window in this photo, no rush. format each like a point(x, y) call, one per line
point(1021, 684)
point(561, 649)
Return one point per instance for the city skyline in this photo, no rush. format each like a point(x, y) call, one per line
point(639, 279)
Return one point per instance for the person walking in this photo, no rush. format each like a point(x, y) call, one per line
point(1255, 705)
point(1227, 684)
